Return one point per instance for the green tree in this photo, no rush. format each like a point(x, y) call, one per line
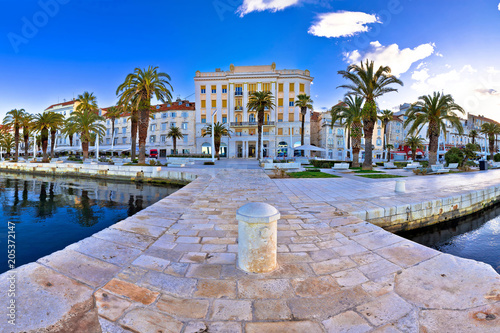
point(14, 119)
point(6, 139)
point(385, 117)
point(491, 130)
point(433, 110)
point(42, 123)
point(87, 123)
point(473, 135)
point(112, 114)
point(304, 102)
point(369, 84)
point(26, 124)
point(138, 89)
point(414, 142)
point(57, 124)
point(220, 130)
point(69, 130)
point(259, 101)
point(350, 113)
point(175, 133)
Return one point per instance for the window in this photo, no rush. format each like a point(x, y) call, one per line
point(108, 141)
point(301, 87)
point(280, 117)
point(164, 126)
point(116, 131)
point(116, 121)
point(252, 87)
point(379, 131)
point(224, 89)
point(163, 138)
point(203, 119)
point(291, 102)
point(238, 90)
point(224, 103)
point(115, 141)
point(251, 118)
point(185, 115)
point(153, 127)
point(173, 114)
point(280, 87)
point(185, 138)
point(203, 103)
point(154, 116)
point(107, 122)
point(124, 120)
point(266, 87)
point(203, 89)
point(214, 89)
point(108, 131)
point(290, 117)
point(180, 103)
point(124, 130)
point(379, 142)
point(124, 140)
point(164, 115)
point(185, 151)
point(172, 125)
point(152, 139)
point(214, 103)
point(224, 120)
point(292, 87)
point(184, 126)
point(340, 131)
point(280, 131)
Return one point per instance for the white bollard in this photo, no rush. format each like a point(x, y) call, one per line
point(400, 186)
point(257, 237)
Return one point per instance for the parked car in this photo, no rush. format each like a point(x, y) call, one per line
point(153, 153)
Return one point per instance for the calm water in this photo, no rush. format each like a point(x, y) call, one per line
point(474, 237)
point(51, 213)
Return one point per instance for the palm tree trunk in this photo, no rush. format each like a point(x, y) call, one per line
point(52, 143)
point(26, 144)
point(355, 157)
point(388, 155)
point(368, 130)
point(303, 111)
point(260, 122)
point(133, 138)
point(16, 138)
point(45, 142)
point(143, 132)
point(85, 149)
point(175, 144)
point(433, 143)
point(217, 147)
point(70, 137)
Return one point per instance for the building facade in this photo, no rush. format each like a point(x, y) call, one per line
point(225, 94)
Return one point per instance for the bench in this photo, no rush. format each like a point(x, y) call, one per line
point(390, 165)
point(287, 166)
point(437, 168)
point(452, 166)
point(412, 166)
point(340, 166)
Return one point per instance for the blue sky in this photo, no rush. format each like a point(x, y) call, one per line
point(75, 46)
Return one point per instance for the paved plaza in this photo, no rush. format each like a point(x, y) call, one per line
point(172, 267)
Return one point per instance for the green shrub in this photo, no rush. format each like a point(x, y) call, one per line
point(496, 157)
point(327, 164)
point(208, 163)
point(381, 164)
point(400, 164)
point(314, 170)
point(454, 155)
point(425, 164)
point(135, 160)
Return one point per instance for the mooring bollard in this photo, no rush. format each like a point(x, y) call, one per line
point(257, 237)
point(400, 186)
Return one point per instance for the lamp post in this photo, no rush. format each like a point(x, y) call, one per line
point(97, 146)
point(213, 135)
point(291, 142)
point(34, 145)
point(262, 142)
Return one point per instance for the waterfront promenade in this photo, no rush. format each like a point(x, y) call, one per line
point(172, 267)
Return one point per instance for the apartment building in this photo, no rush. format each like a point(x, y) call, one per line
point(180, 113)
point(225, 94)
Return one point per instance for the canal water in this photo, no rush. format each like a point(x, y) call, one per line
point(476, 236)
point(45, 214)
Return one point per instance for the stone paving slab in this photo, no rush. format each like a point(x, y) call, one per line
point(336, 272)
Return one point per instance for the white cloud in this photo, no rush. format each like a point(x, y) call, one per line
point(422, 64)
point(398, 60)
point(499, 6)
point(421, 75)
point(249, 6)
point(342, 24)
point(439, 54)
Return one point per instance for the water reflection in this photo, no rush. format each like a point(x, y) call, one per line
point(474, 237)
point(51, 213)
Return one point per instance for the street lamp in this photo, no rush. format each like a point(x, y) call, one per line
point(214, 111)
point(97, 146)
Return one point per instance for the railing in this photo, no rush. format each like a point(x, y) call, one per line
point(248, 134)
point(238, 108)
point(238, 93)
point(235, 124)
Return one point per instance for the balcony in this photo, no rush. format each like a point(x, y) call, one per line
point(238, 108)
point(249, 124)
point(238, 93)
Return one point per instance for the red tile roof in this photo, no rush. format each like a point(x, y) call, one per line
point(173, 106)
point(61, 104)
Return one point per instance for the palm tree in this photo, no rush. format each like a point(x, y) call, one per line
point(57, 123)
point(138, 89)
point(69, 130)
point(433, 110)
point(112, 113)
point(491, 130)
point(385, 117)
point(414, 142)
point(220, 130)
point(26, 125)
point(473, 134)
point(175, 133)
point(87, 123)
point(350, 112)
point(14, 119)
point(304, 102)
point(260, 101)
point(369, 84)
point(7, 142)
point(42, 123)
point(389, 147)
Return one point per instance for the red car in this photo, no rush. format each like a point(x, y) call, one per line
point(153, 153)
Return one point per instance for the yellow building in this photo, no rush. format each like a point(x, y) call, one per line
point(225, 94)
